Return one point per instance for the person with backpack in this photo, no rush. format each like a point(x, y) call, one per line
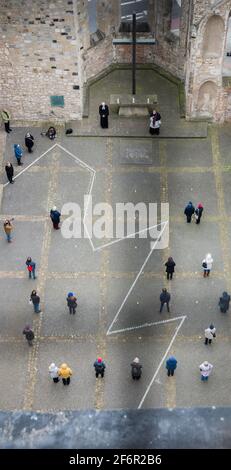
point(207, 264)
point(136, 369)
point(8, 227)
point(31, 265)
point(29, 334)
point(198, 213)
point(210, 333)
point(100, 367)
point(224, 302)
point(71, 303)
point(155, 123)
point(171, 365)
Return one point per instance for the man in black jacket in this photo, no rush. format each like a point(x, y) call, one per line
point(164, 299)
point(29, 334)
point(9, 172)
point(136, 369)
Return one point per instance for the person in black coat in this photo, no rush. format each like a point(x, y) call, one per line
point(170, 265)
point(71, 303)
point(164, 299)
point(198, 213)
point(9, 172)
point(55, 217)
point(189, 211)
point(29, 334)
point(136, 369)
point(100, 367)
point(224, 302)
point(104, 113)
point(29, 142)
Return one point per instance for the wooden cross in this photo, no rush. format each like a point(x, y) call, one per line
point(134, 42)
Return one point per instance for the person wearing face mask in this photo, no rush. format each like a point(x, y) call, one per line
point(104, 113)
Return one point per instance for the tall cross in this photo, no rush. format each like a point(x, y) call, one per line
point(134, 42)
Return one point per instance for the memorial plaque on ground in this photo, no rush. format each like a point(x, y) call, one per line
point(136, 153)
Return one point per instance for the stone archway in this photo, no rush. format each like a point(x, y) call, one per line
point(207, 99)
point(213, 37)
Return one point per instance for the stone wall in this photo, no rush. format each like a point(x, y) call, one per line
point(206, 94)
point(38, 58)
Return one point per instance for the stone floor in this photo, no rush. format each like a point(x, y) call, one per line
point(178, 170)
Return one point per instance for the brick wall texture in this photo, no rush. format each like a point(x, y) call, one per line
point(46, 49)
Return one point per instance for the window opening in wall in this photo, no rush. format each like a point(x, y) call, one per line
point(175, 17)
point(127, 8)
point(95, 34)
point(227, 59)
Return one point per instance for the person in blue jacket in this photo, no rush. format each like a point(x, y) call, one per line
point(171, 365)
point(18, 153)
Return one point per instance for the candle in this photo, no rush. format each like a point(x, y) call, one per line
point(118, 100)
point(147, 100)
point(133, 100)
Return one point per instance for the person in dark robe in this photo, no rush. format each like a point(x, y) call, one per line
point(155, 123)
point(104, 113)
point(9, 172)
point(29, 142)
point(224, 302)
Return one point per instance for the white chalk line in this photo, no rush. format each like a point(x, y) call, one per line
point(145, 325)
point(31, 164)
point(161, 362)
point(136, 279)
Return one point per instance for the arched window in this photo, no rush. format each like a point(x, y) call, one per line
point(207, 98)
point(213, 37)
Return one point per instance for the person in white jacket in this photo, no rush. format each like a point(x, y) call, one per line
point(206, 370)
point(207, 264)
point(54, 372)
point(210, 333)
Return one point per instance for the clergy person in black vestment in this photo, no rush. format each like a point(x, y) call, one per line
point(104, 113)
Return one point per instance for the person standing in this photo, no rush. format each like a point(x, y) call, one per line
point(164, 299)
point(8, 227)
point(54, 372)
point(18, 153)
point(65, 373)
point(5, 115)
point(198, 213)
point(100, 367)
point(29, 142)
point(104, 113)
point(210, 333)
point(155, 123)
point(136, 369)
point(205, 369)
point(71, 303)
point(189, 211)
point(31, 265)
point(171, 365)
point(170, 265)
point(9, 172)
point(35, 299)
point(55, 217)
point(224, 302)
point(29, 334)
point(207, 264)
